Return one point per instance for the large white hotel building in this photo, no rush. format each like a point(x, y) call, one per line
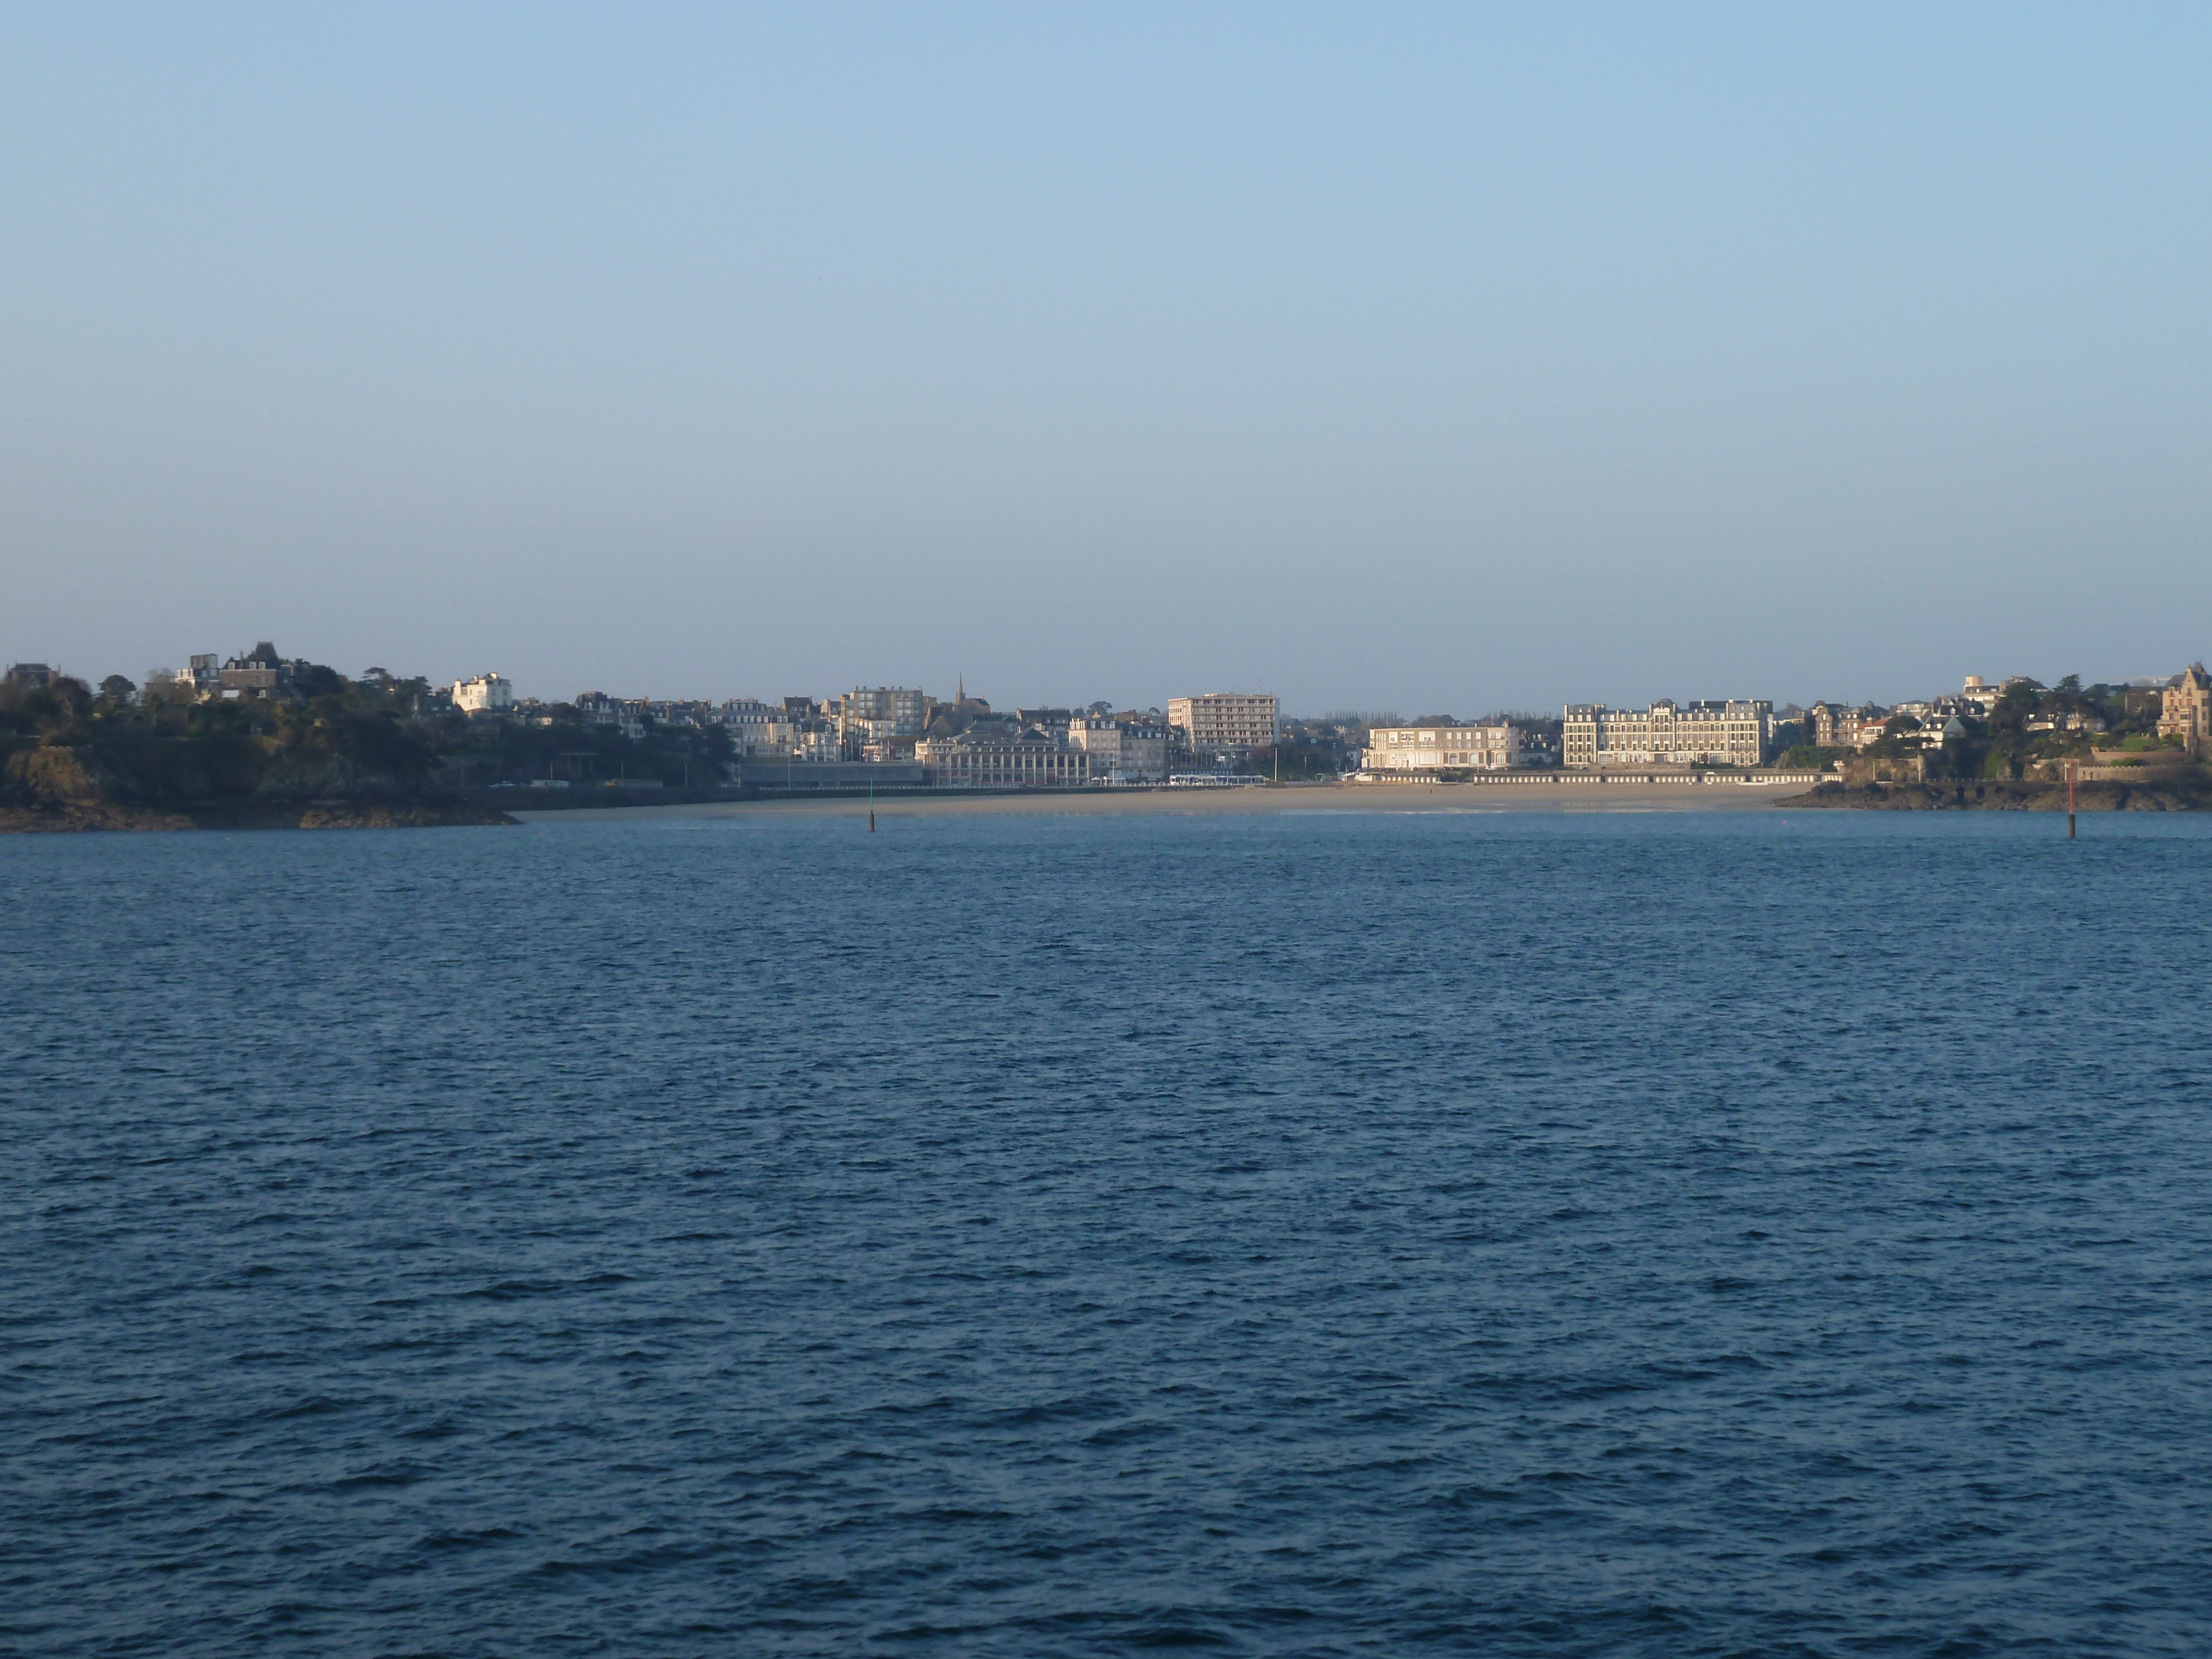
point(1434, 748)
point(1666, 734)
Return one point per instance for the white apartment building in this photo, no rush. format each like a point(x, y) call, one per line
point(1225, 722)
point(1733, 733)
point(486, 694)
point(1985, 693)
point(883, 711)
point(788, 738)
point(751, 722)
point(1435, 748)
point(1135, 752)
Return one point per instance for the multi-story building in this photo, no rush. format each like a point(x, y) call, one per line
point(485, 694)
point(2141, 697)
point(985, 759)
point(1123, 751)
point(897, 710)
point(2069, 720)
point(259, 673)
point(750, 722)
point(1734, 733)
point(680, 712)
point(794, 730)
point(1440, 748)
point(874, 715)
point(1052, 722)
point(1225, 722)
point(1835, 727)
point(1934, 711)
point(28, 676)
point(1983, 695)
point(816, 740)
point(2185, 711)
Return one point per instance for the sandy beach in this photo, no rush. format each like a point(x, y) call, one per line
point(1286, 797)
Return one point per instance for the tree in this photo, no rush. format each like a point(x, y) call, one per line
point(117, 692)
point(312, 679)
point(2015, 705)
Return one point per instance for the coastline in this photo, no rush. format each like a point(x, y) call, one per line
point(1263, 799)
point(95, 817)
point(81, 816)
point(2177, 790)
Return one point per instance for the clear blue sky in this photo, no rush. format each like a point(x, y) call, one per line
point(1428, 357)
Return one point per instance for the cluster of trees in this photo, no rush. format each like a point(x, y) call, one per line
point(1306, 749)
point(555, 741)
point(2001, 746)
point(329, 735)
point(66, 737)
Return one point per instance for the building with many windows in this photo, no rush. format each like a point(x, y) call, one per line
point(2185, 710)
point(259, 673)
point(486, 694)
point(980, 759)
point(1121, 750)
point(753, 723)
point(1833, 725)
point(1734, 733)
point(884, 711)
point(1444, 748)
point(1225, 722)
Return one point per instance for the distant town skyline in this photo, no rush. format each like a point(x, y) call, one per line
point(1399, 357)
point(395, 663)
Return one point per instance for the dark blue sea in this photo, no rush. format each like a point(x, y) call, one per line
point(1727, 1233)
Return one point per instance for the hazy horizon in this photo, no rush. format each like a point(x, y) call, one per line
point(1399, 359)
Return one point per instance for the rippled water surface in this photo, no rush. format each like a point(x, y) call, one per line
point(1735, 1233)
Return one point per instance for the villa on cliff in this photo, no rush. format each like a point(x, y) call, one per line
point(2186, 710)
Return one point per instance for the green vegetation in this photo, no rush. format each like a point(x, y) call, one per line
point(2030, 724)
point(1300, 758)
point(1813, 754)
point(555, 742)
point(2010, 759)
point(2003, 747)
point(2165, 789)
point(69, 751)
point(1545, 729)
point(329, 750)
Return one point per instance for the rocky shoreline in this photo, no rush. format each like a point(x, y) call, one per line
point(2175, 792)
point(76, 817)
